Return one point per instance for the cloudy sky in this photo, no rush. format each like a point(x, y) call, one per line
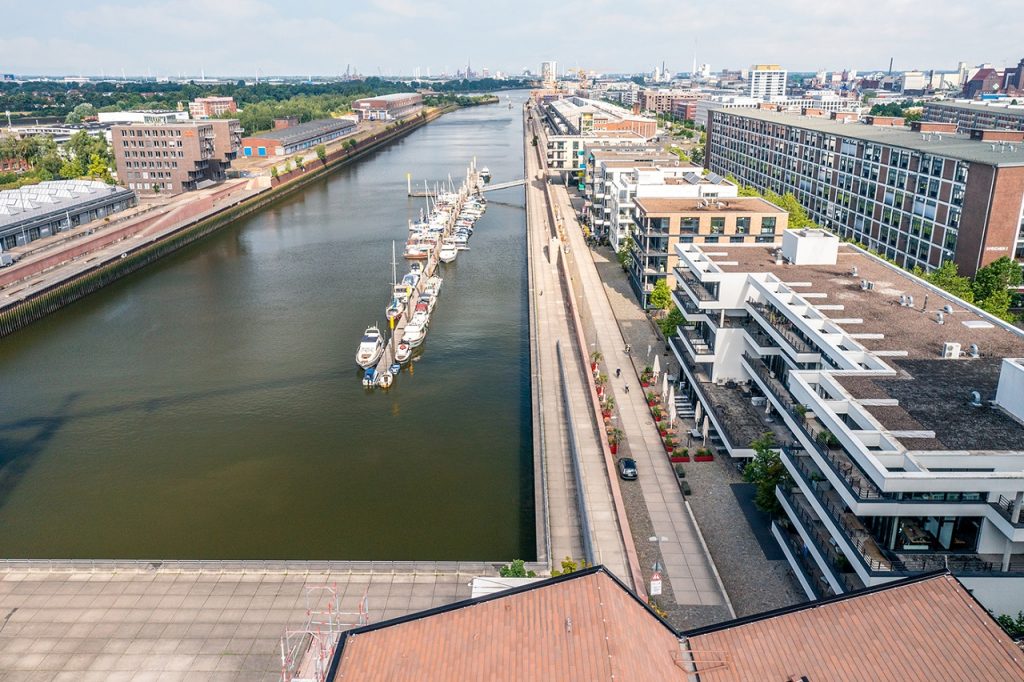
point(237, 37)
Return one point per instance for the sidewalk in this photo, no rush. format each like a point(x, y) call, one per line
point(755, 583)
point(689, 570)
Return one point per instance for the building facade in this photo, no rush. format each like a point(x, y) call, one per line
point(549, 74)
point(766, 80)
point(968, 115)
point(42, 210)
point(388, 107)
point(209, 107)
point(719, 217)
point(176, 157)
point(897, 410)
point(918, 198)
point(289, 139)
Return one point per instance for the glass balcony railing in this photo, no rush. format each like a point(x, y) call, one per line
point(783, 327)
point(699, 289)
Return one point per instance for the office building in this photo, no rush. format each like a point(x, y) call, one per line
point(969, 115)
point(388, 107)
point(175, 157)
point(897, 408)
point(706, 211)
point(112, 117)
point(42, 210)
point(287, 139)
point(919, 198)
point(766, 80)
point(588, 625)
point(209, 107)
point(579, 116)
point(549, 74)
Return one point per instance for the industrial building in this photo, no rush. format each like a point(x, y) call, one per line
point(35, 211)
point(175, 157)
point(388, 107)
point(920, 198)
point(897, 410)
point(287, 139)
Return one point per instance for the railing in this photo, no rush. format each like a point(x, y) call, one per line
point(759, 335)
point(682, 351)
point(783, 326)
point(823, 540)
point(699, 289)
point(575, 460)
point(1005, 506)
point(810, 569)
point(701, 346)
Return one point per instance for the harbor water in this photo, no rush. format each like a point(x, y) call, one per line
point(209, 406)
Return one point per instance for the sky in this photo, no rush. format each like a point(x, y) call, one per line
point(324, 37)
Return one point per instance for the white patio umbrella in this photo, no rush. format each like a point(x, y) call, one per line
point(672, 394)
point(698, 411)
point(707, 427)
point(657, 365)
point(672, 414)
point(664, 387)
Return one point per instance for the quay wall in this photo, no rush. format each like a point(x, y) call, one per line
point(49, 299)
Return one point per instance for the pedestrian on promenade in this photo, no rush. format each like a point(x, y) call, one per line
point(618, 372)
point(626, 388)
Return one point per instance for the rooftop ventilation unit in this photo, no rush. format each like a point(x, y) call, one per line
point(948, 309)
point(910, 301)
point(866, 285)
point(853, 271)
point(940, 318)
point(973, 350)
point(903, 300)
point(975, 399)
point(950, 350)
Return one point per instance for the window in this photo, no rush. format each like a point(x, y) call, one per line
point(743, 225)
point(689, 224)
point(768, 225)
point(717, 224)
point(736, 239)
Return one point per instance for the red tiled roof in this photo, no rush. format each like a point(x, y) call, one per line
point(925, 629)
point(585, 626)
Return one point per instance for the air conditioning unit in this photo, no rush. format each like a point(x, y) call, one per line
point(950, 350)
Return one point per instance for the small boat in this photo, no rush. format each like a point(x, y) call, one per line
point(433, 286)
point(395, 368)
point(403, 353)
point(369, 377)
point(448, 252)
point(415, 268)
point(416, 330)
point(411, 280)
point(485, 173)
point(384, 379)
point(370, 348)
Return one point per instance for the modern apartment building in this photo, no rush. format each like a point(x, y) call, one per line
point(549, 74)
point(388, 107)
point(766, 80)
point(970, 115)
point(175, 157)
point(209, 107)
point(568, 152)
point(898, 410)
point(919, 198)
point(579, 116)
point(710, 214)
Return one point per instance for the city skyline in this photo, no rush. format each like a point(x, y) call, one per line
point(396, 37)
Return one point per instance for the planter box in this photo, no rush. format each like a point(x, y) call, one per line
point(704, 458)
point(669, 448)
point(677, 459)
point(614, 448)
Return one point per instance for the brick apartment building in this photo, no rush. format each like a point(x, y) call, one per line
point(208, 107)
point(919, 198)
point(388, 107)
point(175, 157)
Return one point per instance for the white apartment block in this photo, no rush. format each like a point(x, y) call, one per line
point(767, 80)
point(898, 409)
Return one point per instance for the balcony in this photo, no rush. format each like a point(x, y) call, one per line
point(698, 343)
point(782, 326)
point(699, 290)
point(1004, 506)
point(796, 551)
point(803, 515)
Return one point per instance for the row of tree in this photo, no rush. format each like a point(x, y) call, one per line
point(908, 109)
point(83, 156)
point(991, 289)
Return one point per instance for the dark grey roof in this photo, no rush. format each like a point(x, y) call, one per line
point(304, 131)
point(951, 146)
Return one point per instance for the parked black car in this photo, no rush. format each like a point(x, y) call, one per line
point(627, 469)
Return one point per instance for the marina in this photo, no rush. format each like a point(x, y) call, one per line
point(436, 237)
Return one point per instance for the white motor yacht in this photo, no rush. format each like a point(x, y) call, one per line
point(370, 348)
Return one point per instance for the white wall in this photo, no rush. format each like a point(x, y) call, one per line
point(729, 347)
point(1002, 596)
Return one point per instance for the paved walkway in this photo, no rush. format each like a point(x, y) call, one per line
point(553, 326)
point(687, 564)
point(754, 583)
point(116, 625)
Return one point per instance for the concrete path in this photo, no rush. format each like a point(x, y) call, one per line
point(166, 625)
point(687, 563)
point(553, 326)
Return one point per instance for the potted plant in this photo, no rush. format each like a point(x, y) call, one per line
point(656, 413)
point(607, 406)
point(670, 443)
point(679, 455)
point(601, 380)
point(614, 436)
point(801, 412)
point(703, 455)
point(652, 399)
point(662, 429)
point(827, 439)
point(595, 358)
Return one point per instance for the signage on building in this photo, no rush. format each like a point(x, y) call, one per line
point(655, 584)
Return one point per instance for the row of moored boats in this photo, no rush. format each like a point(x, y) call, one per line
point(445, 230)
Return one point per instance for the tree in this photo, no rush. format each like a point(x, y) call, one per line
point(766, 471)
point(946, 278)
point(516, 569)
point(321, 153)
point(669, 323)
point(568, 566)
point(625, 253)
point(99, 169)
point(992, 285)
point(1014, 626)
point(288, 166)
point(273, 172)
point(661, 296)
point(300, 163)
point(80, 112)
point(72, 168)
